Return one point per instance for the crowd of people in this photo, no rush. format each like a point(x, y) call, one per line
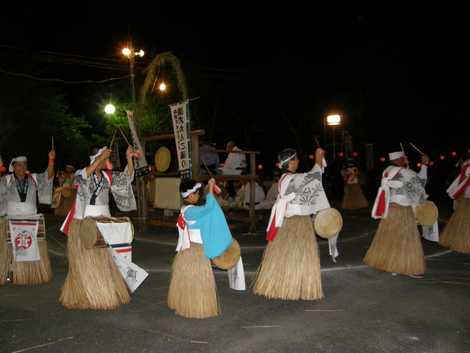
point(101, 274)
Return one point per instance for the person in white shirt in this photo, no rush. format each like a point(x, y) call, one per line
point(396, 246)
point(244, 195)
point(456, 235)
point(290, 269)
point(235, 162)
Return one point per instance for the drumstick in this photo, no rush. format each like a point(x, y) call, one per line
point(402, 149)
point(112, 139)
point(316, 141)
point(123, 135)
point(53, 143)
point(216, 187)
point(417, 149)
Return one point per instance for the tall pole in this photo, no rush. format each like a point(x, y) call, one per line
point(141, 206)
point(334, 144)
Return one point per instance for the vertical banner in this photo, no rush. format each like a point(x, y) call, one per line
point(180, 117)
point(369, 156)
point(141, 162)
point(23, 235)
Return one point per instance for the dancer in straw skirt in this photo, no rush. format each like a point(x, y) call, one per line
point(353, 196)
point(27, 256)
point(396, 246)
point(203, 235)
point(290, 268)
point(456, 235)
point(93, 280)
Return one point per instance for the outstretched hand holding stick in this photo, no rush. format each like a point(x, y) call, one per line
point(217, 190)
point(424, 157)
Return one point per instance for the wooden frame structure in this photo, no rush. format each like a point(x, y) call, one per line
point(195, 139)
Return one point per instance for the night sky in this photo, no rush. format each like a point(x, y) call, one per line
point(393, 76)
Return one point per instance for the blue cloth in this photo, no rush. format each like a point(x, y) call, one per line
point(210, 220)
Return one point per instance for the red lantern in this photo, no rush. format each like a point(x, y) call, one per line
point(311, 156)
point(355, 154)
point(442, 157)
point(260, 167)
point(341, 155)
point(418, 165)
point(453, 153)
point(382, 159)
point(431, 163)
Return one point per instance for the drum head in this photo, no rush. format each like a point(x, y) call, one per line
point(427, 213)
point(328, 223)
point(229, 258)
point(162, 159)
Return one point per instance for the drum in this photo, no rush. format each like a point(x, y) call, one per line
point(328, 223)
point(119, 238)
point(229, 258)
point(427, 213)
point(41, 235)
point(162, 159)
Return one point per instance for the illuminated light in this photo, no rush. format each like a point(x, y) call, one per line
point(333, 120)
point(382, 159)
point(260, 167)
point(140, 53)
point(341, 154)
point(355, 154)
point(311, 156)
point(431, 163)
point(278, 165)
point(453, 153)
point(126, 52)
point(418, 165)
point(442, 157)
point(109, 109)
point(162, 87)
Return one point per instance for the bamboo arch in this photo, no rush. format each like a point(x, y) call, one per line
point(161, 59)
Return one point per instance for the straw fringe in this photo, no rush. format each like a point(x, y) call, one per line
point(354, 197)
point(31, 273)
point(192, 292)
point(290, 269)
point(93, 280)
point(5, 255)
point(456, 234)
point(396, 246)
point(65, 205)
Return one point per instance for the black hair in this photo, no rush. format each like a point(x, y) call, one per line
point(187, 184)
point(283, 155)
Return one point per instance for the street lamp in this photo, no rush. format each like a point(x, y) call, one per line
point(109, 109)
point(131, 53)
point(333, 120)
point(162, 87)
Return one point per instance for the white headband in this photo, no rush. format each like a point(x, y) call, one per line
point(16, 159)
point(101, 150)
point(190, 191)
point(281, 163)
point(396, 155)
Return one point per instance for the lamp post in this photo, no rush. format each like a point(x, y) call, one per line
point(130, 53)
point(333, 120)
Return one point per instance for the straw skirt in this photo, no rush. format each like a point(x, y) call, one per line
point(93, 280)
point(290, 269)
point(456, 234)
point(27, 273)
point(5, 253)
point(193, 293)
point(354, 197)
point(396, 246)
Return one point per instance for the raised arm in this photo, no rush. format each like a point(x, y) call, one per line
point(98, 161)
point(50, 164)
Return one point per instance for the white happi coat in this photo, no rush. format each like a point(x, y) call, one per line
point(301, 194)
point(406, 188)
point(39, 185)
point(119, 183)
point(234, 163)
